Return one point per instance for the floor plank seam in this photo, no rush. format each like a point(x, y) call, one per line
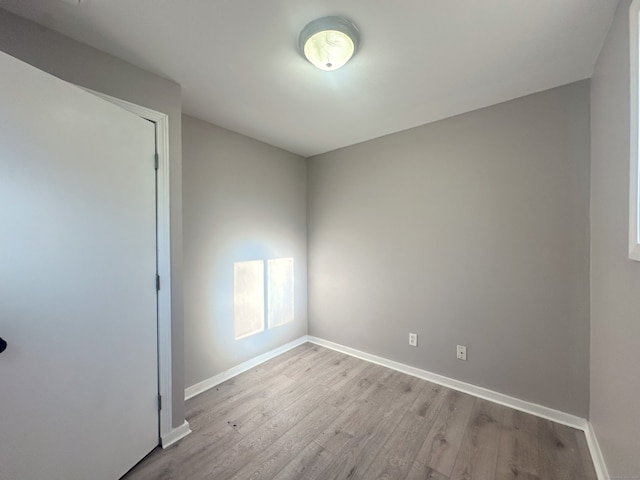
point(319, 414)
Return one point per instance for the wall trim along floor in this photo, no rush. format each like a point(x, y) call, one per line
point(512, 402)
point(496, 397)
point(176, 434)
point(211, 382)
point(596, 453)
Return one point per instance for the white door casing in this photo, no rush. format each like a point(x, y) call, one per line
point(78, 381)
point(168, 434)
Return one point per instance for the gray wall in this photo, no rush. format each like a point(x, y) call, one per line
point(82, 65)
point(615, 280)
point(243, 200)
point(472, 230)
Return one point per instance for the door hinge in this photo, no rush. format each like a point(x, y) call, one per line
point(156, 159)
point(158, 283)
point(159, 402)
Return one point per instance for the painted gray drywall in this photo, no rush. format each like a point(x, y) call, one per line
point(85, 66)
point(472, 230)
point(243, 200)
point(615, 280)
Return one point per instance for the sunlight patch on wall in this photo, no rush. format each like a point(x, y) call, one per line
point(280, 291)
point(248, 298)
point(253, 286)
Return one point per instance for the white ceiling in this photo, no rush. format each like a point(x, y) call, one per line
point(419, 61)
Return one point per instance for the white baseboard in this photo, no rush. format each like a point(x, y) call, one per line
point(205, 385)
point(522, 405)
point(496, 397)
point(175, 434)
point(596, 453)
point(515, 403)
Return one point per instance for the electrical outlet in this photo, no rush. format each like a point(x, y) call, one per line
point(413, 339)
point(461, 352)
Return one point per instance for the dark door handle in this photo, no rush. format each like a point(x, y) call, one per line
point(3, 345)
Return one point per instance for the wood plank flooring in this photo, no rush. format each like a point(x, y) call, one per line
point(313, 413)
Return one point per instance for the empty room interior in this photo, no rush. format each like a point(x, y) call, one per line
point(424, 263)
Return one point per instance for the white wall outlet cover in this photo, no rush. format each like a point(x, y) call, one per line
point(461, 352)
point(413, 339)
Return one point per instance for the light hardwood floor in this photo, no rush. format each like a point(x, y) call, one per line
point(313, 413)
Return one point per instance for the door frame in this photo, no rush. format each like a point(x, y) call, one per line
point(168, 435)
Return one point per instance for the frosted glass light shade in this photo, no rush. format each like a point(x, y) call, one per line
point(329, 42)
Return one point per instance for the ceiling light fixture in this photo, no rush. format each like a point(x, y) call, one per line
point(329, 42)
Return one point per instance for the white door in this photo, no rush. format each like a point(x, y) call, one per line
point(79, 378)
